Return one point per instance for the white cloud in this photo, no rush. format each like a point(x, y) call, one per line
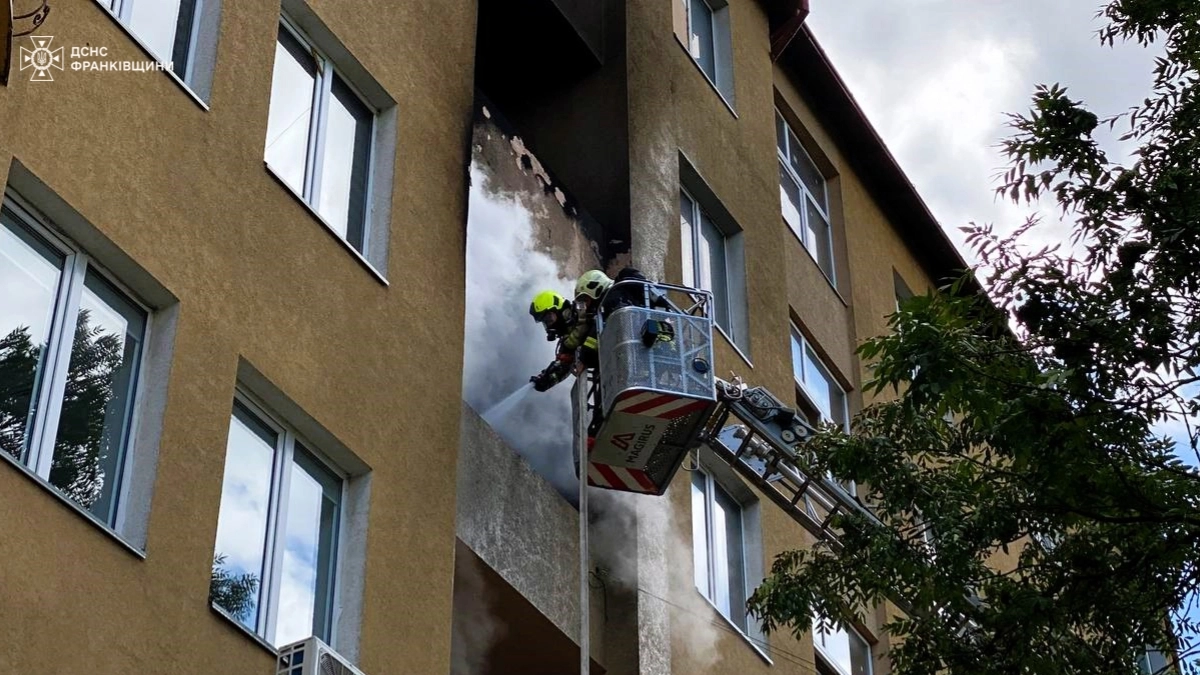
point(245, 498)
point(936, 77)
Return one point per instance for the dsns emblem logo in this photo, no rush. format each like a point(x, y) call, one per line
point(41, 58)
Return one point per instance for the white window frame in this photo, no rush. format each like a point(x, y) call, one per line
point(123, 10)
point(924, 536)
point(270, 584)
point(850, 634)
point(798, 373)
point(710, 487)
point(40, 456)
point(315, 147)
point(205, 16)
point(712, 27)
point(784, 155)
point(694, 221)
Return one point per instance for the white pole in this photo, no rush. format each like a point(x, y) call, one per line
point(581, 443)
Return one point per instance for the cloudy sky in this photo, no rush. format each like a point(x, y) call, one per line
point(936, 78)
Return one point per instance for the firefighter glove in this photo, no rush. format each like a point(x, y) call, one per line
point(543, 380)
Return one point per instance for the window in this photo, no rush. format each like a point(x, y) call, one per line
point(320, 136)
point(817, 385)
point(841, 652)
point(71, 351)
point(278, 533)
point(702, 36)
point(703, 28)
point(1153, 662)
point(804, 197)
point(818, 392)
point(718, 542)
point(924, 536)
point(181, 33)
point(900, 288)
point(705, 258)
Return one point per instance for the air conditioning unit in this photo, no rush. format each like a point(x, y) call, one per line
point(312, 657)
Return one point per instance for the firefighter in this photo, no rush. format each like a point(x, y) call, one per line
point(589, 288)
point(632, 293)
point(574, 332)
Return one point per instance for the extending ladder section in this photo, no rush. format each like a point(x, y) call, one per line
point(765, 449)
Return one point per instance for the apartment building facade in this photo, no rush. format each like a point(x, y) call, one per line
point(238, 308)
point(710, 144)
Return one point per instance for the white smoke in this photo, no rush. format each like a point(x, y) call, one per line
point(475, 629)
point(695, 624)
point(503, 345)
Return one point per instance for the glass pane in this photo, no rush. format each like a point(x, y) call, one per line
point(820, 244)
point(310, 537)
point(860, 655)
point(780, 134)
point(153, 21)
point(686, 239)
point(791, 199)
point(344, 169)
point(720, 565)
point(821, 385)
point(185, 26)
point(242, 524)
point(813, 181)
point(797, 357)
point(30, 273)
point(292, 87)
point(701, 38)
point(699, 534)
point(713, 270)
point(729, 514)
point(834, 645)
point(93, 427)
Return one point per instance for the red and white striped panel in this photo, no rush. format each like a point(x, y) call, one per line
point(654, 404)
point(620, 478)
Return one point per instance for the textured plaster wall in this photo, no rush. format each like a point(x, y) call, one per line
point(516, 523)
point(183, 192)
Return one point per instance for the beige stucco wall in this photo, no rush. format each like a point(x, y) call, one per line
point(184, 193)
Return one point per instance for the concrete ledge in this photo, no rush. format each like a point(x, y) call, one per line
point(517, 523)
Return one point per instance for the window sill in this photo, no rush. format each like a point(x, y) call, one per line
point(833, 287)
point(151, 57)
point(741, 633)
point(734, 345)
point(245, 631)
point(329, 228)
point(91, 518)
point(706, 77)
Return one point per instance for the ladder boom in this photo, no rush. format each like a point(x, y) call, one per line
point(765, 449)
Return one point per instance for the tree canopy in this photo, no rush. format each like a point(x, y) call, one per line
point(1017, 456)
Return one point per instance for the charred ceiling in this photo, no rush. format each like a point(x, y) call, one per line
point(535, 46)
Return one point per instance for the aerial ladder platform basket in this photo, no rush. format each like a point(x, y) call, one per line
point(657, 388)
